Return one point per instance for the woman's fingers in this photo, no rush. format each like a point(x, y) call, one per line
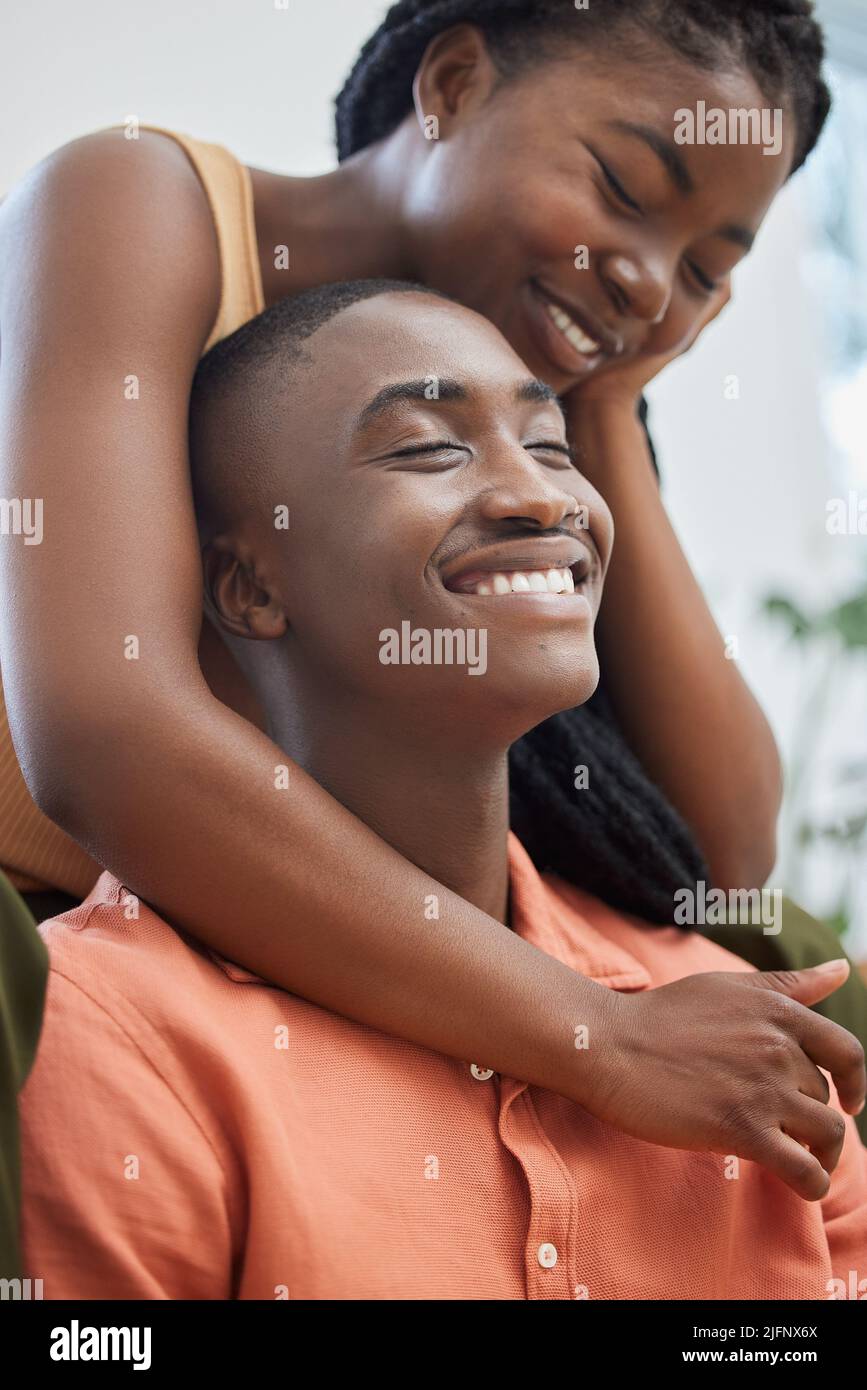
point(836, 1051)
point(818, 1126)
point(812, 1082)
point(791, 1162)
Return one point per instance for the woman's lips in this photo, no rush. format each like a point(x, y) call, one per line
point(559, 338)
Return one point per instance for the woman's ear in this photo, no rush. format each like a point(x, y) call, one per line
point(234, 597)
point(455, 75)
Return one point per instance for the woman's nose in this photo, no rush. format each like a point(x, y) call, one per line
point(637, 287)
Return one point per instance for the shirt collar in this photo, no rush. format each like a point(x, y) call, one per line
point(546, 912)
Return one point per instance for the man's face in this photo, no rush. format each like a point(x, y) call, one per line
point(428, 483)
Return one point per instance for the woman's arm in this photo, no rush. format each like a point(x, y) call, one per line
point(683, 705)
point(109, 271)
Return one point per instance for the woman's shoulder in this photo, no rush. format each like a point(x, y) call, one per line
point(108, 201)
point(228, 186)
point(170, 199)
point(129, 154)
point(98, 181)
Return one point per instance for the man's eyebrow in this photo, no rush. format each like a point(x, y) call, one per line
point(445, 389)
point(535, 390)
point(430, 388)
point(681, 177)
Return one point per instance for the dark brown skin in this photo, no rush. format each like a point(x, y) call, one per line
point(491, 231)
point(387, 518)
point(108, 266)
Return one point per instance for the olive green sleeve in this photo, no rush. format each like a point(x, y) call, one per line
point(23, 976)
point(801, 941)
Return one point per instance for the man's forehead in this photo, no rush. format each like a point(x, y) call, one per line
point(399, 336)
point(391, 351)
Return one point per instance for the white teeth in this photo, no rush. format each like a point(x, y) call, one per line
point(529, 582)
point(570, 330)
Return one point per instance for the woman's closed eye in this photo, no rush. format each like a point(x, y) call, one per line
point(705, 283)
point(616, 187)
point(701, 281)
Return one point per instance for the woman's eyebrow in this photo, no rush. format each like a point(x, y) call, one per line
point(679, 174)
point(664, 150)
point(739, 235)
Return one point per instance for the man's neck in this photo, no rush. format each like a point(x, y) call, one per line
point(441, 802)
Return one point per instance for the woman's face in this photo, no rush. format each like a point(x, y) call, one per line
point(580, 153)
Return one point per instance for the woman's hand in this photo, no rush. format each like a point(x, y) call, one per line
point(729, 1062)
point(625, 381)
point(688, 713)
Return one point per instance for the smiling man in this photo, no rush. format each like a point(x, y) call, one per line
point(192, 1132)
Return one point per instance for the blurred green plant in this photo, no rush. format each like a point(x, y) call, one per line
point(835, 638)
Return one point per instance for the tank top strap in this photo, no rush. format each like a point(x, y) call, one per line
point(229, 191)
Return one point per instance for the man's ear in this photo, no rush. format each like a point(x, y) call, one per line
point(456, 74)
point(235, 598)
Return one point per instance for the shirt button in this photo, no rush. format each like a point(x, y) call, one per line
point(547, 1256)
point(481, 1073)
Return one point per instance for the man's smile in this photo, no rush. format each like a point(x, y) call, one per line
point(501, 582)
point(552, 570)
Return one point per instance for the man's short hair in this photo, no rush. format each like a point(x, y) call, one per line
point(238, 374)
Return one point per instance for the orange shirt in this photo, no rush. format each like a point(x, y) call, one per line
point(190, 1132)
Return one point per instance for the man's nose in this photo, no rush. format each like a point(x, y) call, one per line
point(638, 287)
point(518, 490)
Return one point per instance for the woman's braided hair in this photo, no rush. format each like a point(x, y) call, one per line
point(779, 41)
point(617, 836)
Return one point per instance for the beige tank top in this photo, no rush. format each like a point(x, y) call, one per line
point(35, 854)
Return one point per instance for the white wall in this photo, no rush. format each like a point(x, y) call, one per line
point(746, 481)
point(238, 72)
